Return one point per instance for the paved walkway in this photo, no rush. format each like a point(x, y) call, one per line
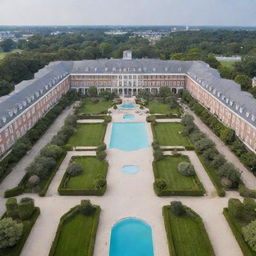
point(248, 178)
point(18, 171)
point(168, 120)
point(89, 121)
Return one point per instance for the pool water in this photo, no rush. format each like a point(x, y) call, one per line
point(130, 169)
point(128, 117)
point(129, 136)
point(127, 106)
point(131, 237)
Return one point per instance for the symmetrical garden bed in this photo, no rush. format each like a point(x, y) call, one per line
point(88, 135)
point(176, 184)
point(170, 134)
point(186, 234)
point(162, 108)
point(76, 233)
point(86, 182)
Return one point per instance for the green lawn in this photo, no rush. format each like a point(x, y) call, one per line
point(169, 134)
point(177, 184)
point(228, 64)
point(186, 236)
point(92, 168)
point(160, 108)
point(3, 54)
point(76, 235)
point(95, 108)
point(88, 135)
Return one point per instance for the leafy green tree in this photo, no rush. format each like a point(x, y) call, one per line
point(227, 135)
point(7, 45)
point(51, 150)
point(74, 169)
point(92, 91)
point(87, 208)
point(245, 81)
point(186, 169)
point(160, 184)
point(249, 234)
point(164, 91)
point(10, 232)
point(228, 170)
point(5, 87)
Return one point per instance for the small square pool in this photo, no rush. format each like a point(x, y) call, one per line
point(129, 136)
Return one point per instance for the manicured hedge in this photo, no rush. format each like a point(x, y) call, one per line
point(28, 225)
point(170, 235)
point(239, 237)
point(246, 192)
point(213, 176)
point(33, 135)
point(90, 116)
point(14, 191)
point(65, 218)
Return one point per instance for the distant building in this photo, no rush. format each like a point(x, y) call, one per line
point(31, 99)
point(254, 82)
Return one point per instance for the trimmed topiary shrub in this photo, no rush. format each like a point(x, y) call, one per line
point(26, 208)
point(101, 147)
point(33, 181)
point(74, 169)
point(158, 155)
point(186, 169)
point(100, 183)
point(177, 208)
point(10, 232)
point(160, 184)
point(101, 155)
point(87, 208)
point(12, 208)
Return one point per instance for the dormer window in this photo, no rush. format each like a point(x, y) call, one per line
point(231, 103)
point(10, 113)
point(166, 69)
point(95, 69)
point(253, 118)
point(139, 69)
point(154, 69)
point(114, 69)
point(4, 119)
point(106, 69)
point(227, 100)
point(237, 107)
point(179, 69)
point(247, 114)
point(241, 110)
point(86, 69)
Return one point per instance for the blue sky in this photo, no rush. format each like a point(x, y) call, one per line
point(128, 12)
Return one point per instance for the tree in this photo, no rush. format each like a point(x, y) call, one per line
point(177, 208)
point(10, 232)
point(245, 81)
point(203, 144)
point(249, 233)
point(228, 170)
point(51, 150)
point(227, 135)
point(5, 87)
point(160, 184)
point(164, 91)
point(217, 161)
point(7, 45)
point(74, 169)
point(105, 49)
point(249, 159)
point(186, 169)
point(92, 91)
point(187, 120)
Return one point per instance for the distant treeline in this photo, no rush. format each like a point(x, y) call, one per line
point(40, 49)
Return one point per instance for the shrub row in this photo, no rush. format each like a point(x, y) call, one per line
point(226, 134)
point(65, 218)
point(28, 225)
point(46, 164)
point(239, 237)
point(24, 144)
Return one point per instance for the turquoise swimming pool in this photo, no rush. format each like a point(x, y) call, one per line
point(131, 237)
point(129, 136)
point(130, 169)
point(128, 117)
point(127, 106)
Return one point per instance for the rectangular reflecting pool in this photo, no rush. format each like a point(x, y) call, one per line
point(129, 136)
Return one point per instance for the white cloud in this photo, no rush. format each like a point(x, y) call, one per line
point(127, 12)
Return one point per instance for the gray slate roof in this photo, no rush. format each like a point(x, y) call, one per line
point(29, 91)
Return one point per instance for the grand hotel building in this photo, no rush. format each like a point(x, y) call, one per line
point(21, 109)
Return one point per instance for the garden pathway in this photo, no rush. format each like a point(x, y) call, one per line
point(247, 177)
point(18, 171)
